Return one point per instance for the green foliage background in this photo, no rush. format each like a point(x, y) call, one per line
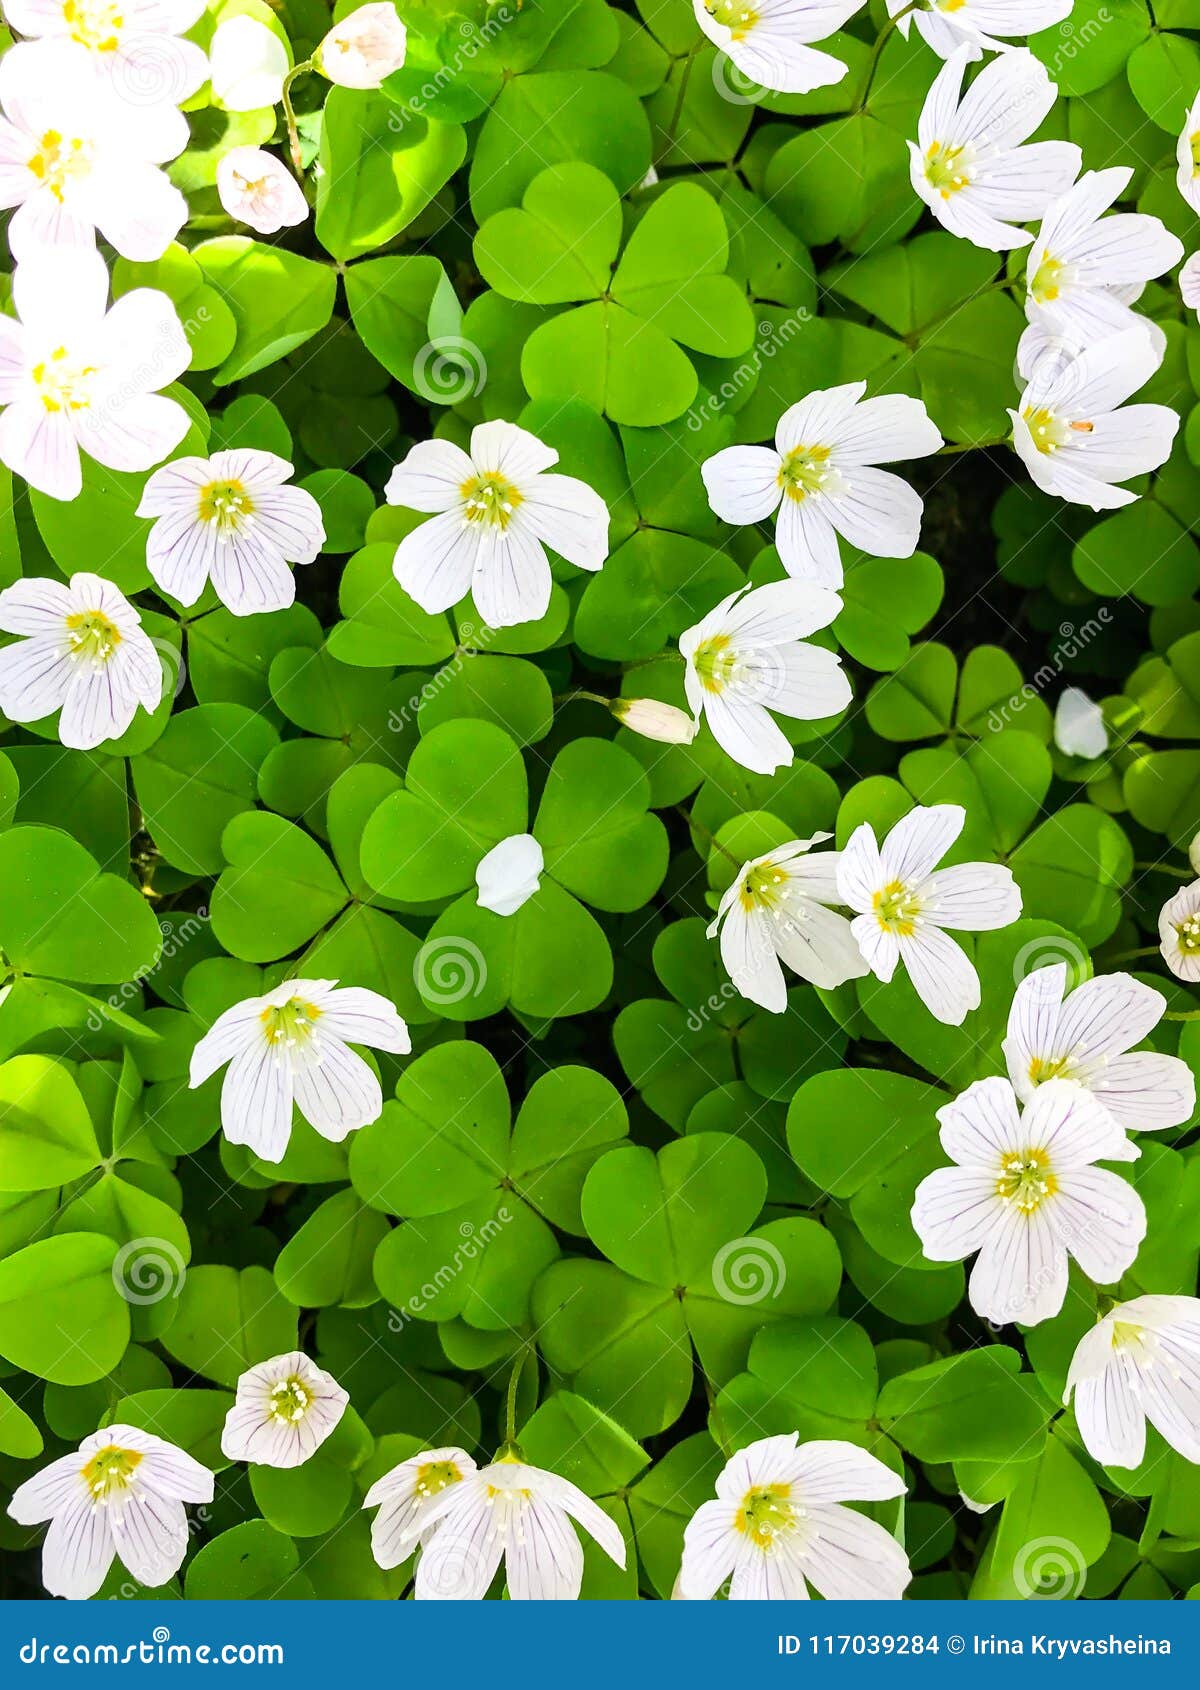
point(592, 1118)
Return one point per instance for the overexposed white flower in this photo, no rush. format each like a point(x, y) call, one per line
point(75, 377)
point(257, 189)
point(231, 519)
point(515, 1512)
point(1141, 1362)
point(82, 650)
point(947, 25)
point(496, 511)
point(247, 63)
point(283, 1411)
point(293, 1046)
point(780, 1524)
point(776, 911)
point(819, 480)
point(364, 47)
point(1179, 933)
point(969, 164)
point(1079, 729)
point(1076, 436)
point(748, 657)
point(76, 158)
point(653, 720)
point(769, 41)
point(120, 1495)
point(136, 45)
point(1083, 266)
point(403, 1496)
point(510, 874)
point(1189, 282)
point(1187, 155)
point(1088, 1036)
point(905, 903)
point(1025, 1193)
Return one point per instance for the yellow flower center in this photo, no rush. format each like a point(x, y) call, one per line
point(436, 1476)
point(110, 1469)
point(946, 168)
point(290, 1400)
point(763, 885)
point(766, 1512)
point(1047, 279)
point(62, 384)
point(96, 25)
point(1194, 144)
point(948, 5)
point(1128, 1336)
point(1187, 933)
point(1043, 1069)
point(1025, 1179)
point(735, 15)
point(715, 663)
point(60, 160)
point(896, 909)
point(290, 1023)
point(490, 499)
point(93, 637)
point(804, 470)
point(1049, 431)
point(227, 505)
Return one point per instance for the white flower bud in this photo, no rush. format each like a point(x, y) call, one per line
point(364, 48)
point(646, 716)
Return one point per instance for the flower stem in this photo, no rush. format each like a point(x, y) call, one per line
point(510, 1397)
point(1131, 956)
point(684, 78)
point(1181, 1015)
point(881, 41)
point(290, 114)
point(709, 838)
point(1166, 868)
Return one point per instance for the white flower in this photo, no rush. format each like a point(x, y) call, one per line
point(119, 1496)
point(1079, 729)
point(248, 63)
point(1083, 265)
point(779, 1525)
point(768, 40)
point(1141, 1362)
point(284, 1410)
point(1086, 1037)
point(970, 167)
point(1073, 438)
point(403, 1497)
point(134, 44)
point(1189, 283)
point(1024, 1193)
point(509, 874)
point(947, 25)
point(364, 48)
point(1194, 853)
point(255, 188)
point(75, 158)
point(230, 518)
point(1187, 154)
point(904, 903)
point(747, 658)
point(820, 479)
point(776, 910)
point(77, 378)
point(1179, 933)
point(293, 1045)
point(663, 722)
point(497, 510)
point(517, 1513)
point(83, 651)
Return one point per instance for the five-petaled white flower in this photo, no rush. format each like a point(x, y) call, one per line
point(403, 1497)
point(293, 1046)
point(947, 25)
point(780, 1524)
point(248, 63)
point(1179, 933)
point(1187, 155)
point(514, 1512)
point(364, 47)
point(969, 164)
point(284, 1410)
point(748, 657)
point(1076, 436)
point(1079, 729)
point(1085, 269)
point(255, 188)
point(75, 378)
point(119, 1496)
point(76, 158)
point(820, 478)
point(496, 512)
point(904, 903)
point(1026, 1195)
point(769, 41)
point(510, 873)
point(1088, 1036)
point(777, 911)
point(1141, 1362)
point(230, 518)
point(135, 44)
point(82, 650)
